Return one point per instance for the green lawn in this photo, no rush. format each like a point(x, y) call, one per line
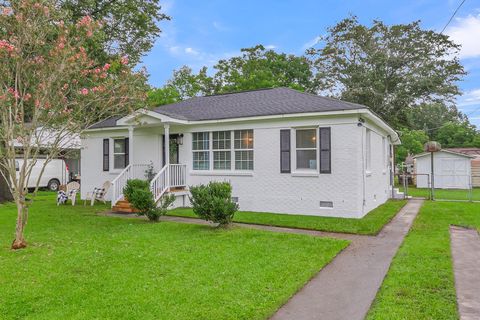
point(371, 224)
point(80, 265)
point(445, 194)
point(419, 284)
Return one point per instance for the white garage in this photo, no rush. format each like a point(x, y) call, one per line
point(452, 170)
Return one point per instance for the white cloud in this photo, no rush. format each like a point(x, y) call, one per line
point(469, 98)
point(219, 26)
point(191, 51)
point(270, 47)
point(311, 43)
point(466, 32)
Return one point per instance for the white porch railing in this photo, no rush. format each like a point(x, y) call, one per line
point(132, 171)
point(171, 176)
point(178, 175)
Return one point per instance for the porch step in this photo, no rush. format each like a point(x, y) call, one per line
point(123, 206)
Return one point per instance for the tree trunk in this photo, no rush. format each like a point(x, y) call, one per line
point(22, 216)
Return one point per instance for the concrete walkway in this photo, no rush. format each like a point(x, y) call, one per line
point(465, 246)
point(345, 288)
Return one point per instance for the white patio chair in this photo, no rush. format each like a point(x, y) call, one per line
point(70, 193)
point(98, 194)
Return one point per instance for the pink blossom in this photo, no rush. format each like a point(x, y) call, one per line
point(84, 91)
point(37, 103)
point(38, 59)
point(65, 86)
point(106, 67)
point(124, 60)
point(103, 75)
point(97, 70)
point(14, 93)
point(27, 97)
point(86, 20)
point(6, 11)
point(7, 46)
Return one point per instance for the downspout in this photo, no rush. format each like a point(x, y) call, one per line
point(392, 168)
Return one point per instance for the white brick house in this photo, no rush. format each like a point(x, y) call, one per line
point(283, 151)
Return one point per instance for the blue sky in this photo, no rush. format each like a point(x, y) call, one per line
point(202, 32)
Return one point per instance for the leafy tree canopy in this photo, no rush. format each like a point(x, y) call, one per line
point(255, 68)
point(457, 134)
point(412, 143)
point(391, 69)
point(161, 96)
point(130, 26)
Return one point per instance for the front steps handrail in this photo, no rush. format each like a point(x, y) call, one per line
point(171, 176)
point(159, 184)
point(132, 171)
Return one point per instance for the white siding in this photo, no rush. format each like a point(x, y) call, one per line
point(146, 147)
point(266, 189)
point(377, 174)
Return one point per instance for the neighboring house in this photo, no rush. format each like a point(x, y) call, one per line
point(454, 168)
point(282, 150)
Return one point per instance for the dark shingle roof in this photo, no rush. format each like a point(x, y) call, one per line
point(109, 122)
point(263, 102)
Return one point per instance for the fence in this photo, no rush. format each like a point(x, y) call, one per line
point(446, 187)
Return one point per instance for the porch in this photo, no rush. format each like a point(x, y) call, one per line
point(171, 175)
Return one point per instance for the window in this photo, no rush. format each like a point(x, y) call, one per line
point(306, 148)
point(200, 147)
point(222, 144)
point(221, 152)
point(243, 144)
point(325, 150)
point(368, 149)
point(119, 153)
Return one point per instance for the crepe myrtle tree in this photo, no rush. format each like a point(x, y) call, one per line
point(50, 87)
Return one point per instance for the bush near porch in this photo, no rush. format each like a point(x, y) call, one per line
point(371, 224)
point(80, 265)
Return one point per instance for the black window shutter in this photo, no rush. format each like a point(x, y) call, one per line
point(325, 150)
point(106, 154)
point(285, 151)
point(127, 151)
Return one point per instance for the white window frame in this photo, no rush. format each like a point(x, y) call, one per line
point(229, 150)
point(243, 150)
point(113, 154)
point(232, 150)
point(208, 151)
point(293, 142)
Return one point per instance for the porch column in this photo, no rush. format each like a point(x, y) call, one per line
point(130, 145)
point(166, 128)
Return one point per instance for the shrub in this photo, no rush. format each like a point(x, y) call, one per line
point(150, 172)
point(213, 202)
point(143, 201)
point(134, 184)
